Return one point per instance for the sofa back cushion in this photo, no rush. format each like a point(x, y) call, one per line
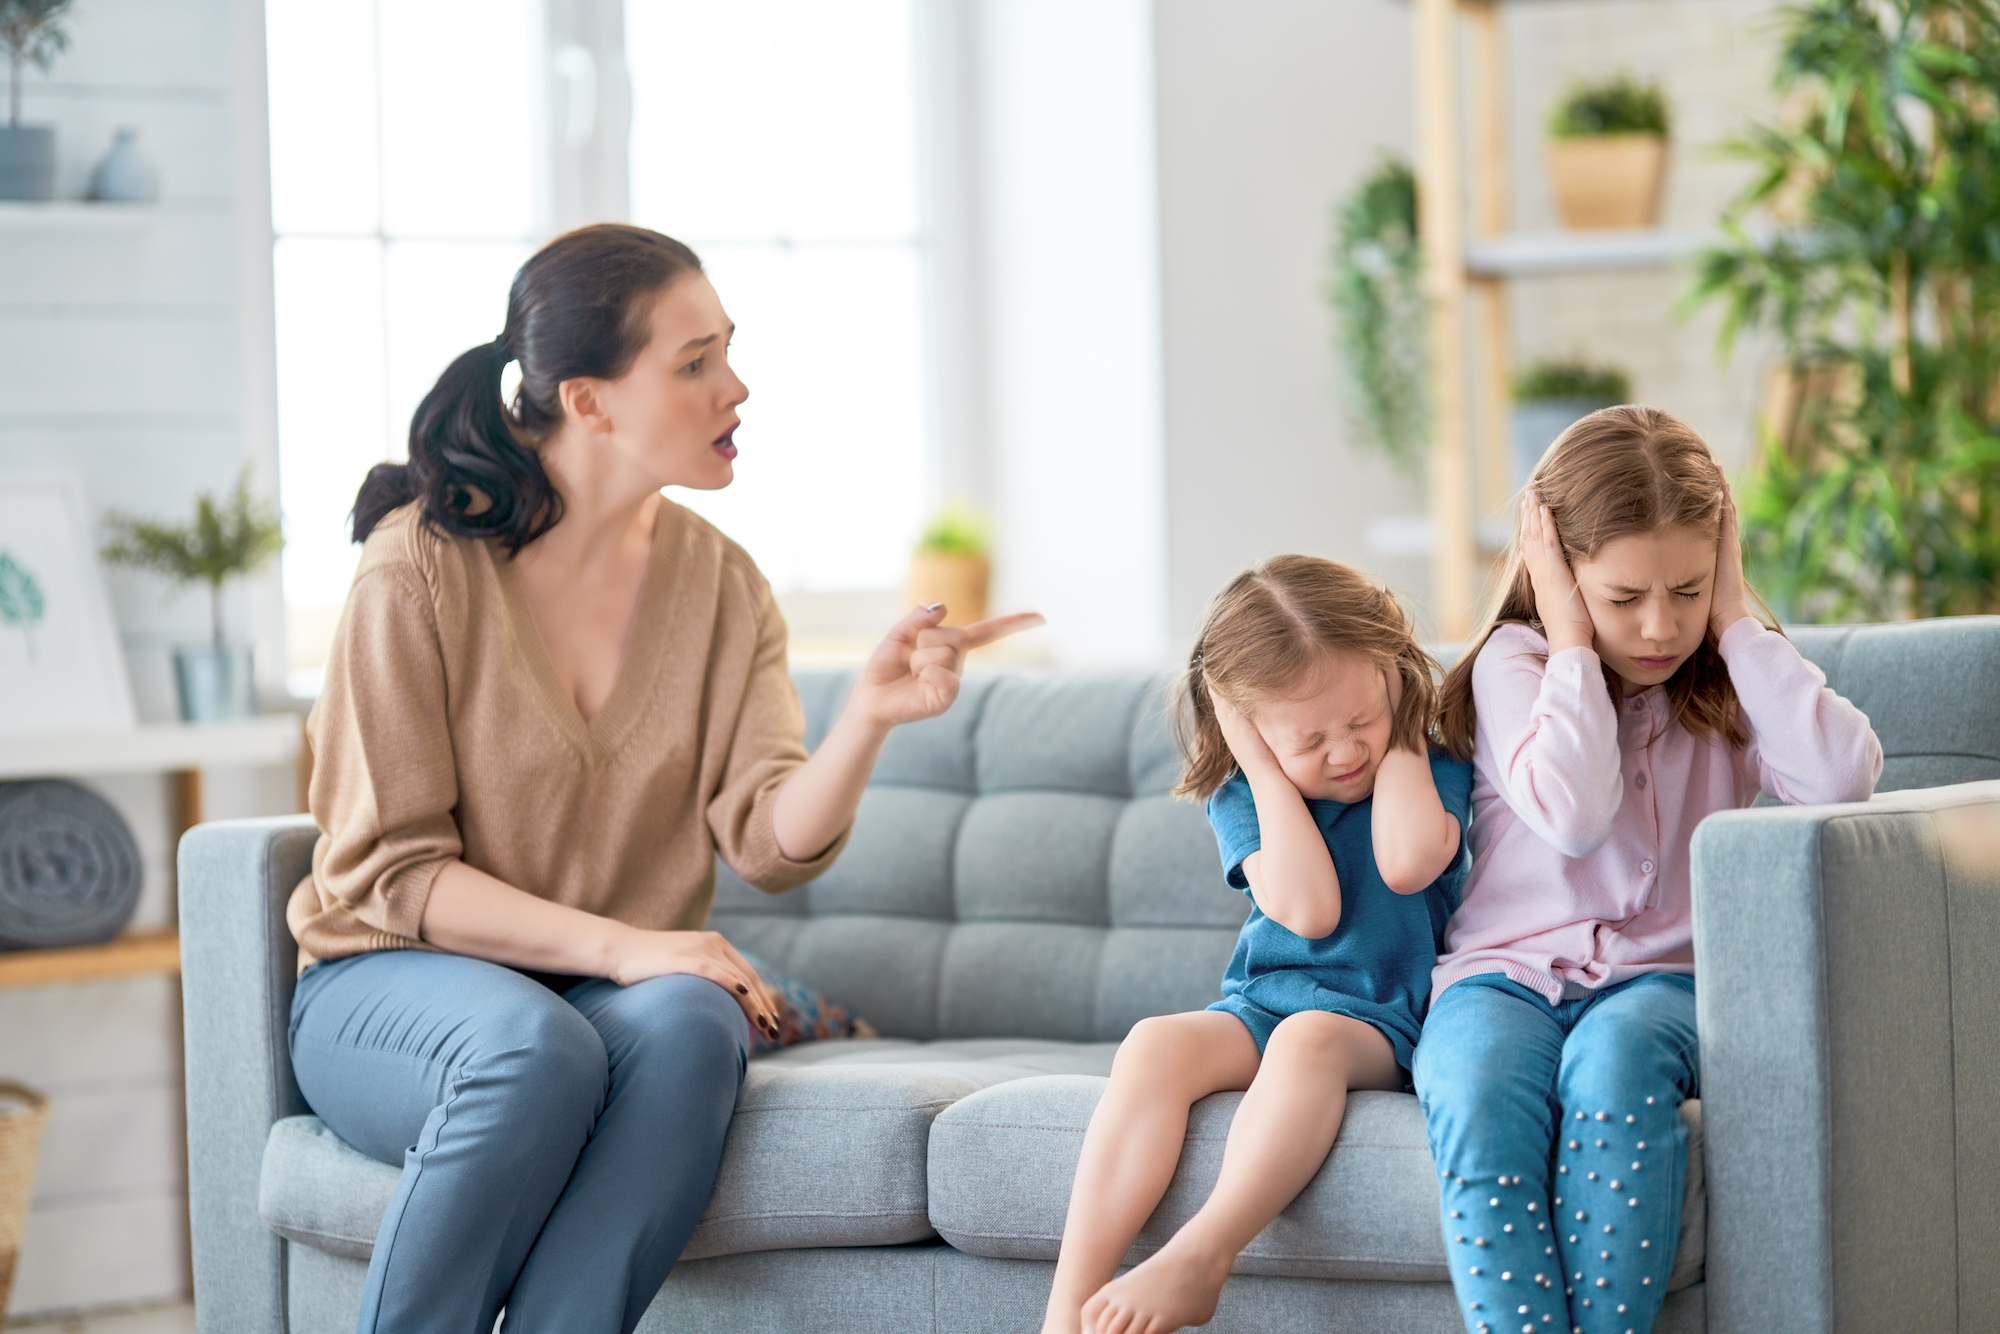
point(1017, 869)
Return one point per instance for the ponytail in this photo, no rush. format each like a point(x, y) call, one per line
point(1206, 760)
point(578, 307)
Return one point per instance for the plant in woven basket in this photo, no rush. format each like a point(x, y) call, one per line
point(1876, 494)
point(951, 564)
point(1374, 286)
point(224, 540)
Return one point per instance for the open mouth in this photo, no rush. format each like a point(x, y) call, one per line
point(1657, 664)
point(725, 444)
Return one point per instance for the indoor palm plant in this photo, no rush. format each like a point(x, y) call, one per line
point(1608, 152)
point(1876, 489)
point(30, 34)
point(225, 540)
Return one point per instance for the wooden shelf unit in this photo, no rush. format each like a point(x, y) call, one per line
point(1465, 281)
point(130, 955)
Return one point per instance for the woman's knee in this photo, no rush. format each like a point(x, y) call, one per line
point(688, 1019)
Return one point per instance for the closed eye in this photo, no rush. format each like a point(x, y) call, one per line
point(1689, 596)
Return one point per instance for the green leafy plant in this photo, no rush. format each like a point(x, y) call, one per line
point(1543, 380)
point(21, 601)
point(1877, 494)
point(957, 530)
point(1620, 105)
point(30, 35)
point(226, 539)
point(1380, 331)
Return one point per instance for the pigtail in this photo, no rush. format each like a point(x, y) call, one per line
point(1206, 762)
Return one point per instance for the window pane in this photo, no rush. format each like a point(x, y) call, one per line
point(443, 298)
point(705, 106)
point(330, 404)
point(322, 90)
point(459, 130)
point(857, 383)
point(849, 126)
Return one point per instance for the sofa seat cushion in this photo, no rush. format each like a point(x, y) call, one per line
point(1002, 1160)
point(827, 1148)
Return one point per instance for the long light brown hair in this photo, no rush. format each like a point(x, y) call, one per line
point(1619, 471)
point(1267, 635)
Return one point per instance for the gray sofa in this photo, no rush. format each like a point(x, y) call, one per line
point(1020, 889)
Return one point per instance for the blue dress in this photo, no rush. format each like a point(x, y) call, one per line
point(1376, 966)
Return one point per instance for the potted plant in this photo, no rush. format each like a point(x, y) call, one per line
point(1608, 153)
point(1549, 396)
point(223, 542)
point(1875, 495)
point(1374, 284)
point(950, 565)
point(30, 35)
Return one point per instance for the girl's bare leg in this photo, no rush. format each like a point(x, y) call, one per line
point(1165, 1066)
point(1282, 1133)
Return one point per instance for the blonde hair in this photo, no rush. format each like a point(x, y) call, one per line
point(1619, 471)
point(1268, 632)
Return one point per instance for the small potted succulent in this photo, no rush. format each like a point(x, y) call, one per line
point(1549, 396)
point(225, 540)
point(950, 565)
point(1608, 153)
point(30, 34)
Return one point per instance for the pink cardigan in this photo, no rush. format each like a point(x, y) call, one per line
point(1580, 828)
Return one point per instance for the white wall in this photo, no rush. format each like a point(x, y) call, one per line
point(135, 351)
point(1070, 291)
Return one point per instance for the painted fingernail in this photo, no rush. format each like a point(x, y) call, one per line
point(935, 606)
point(742, 990)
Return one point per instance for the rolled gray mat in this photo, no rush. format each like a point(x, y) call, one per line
point(69, 868)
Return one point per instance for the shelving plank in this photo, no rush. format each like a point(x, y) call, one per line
point(65, 213)
point(131, 955)
point(1524, 254)
point(151, 748)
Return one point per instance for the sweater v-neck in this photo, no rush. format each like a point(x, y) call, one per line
point(599, 735)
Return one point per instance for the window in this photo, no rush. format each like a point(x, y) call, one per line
point(403, 193)
point(778, 138)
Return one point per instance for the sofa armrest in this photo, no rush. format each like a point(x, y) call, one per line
point(1849, 1009)
point(238, 961)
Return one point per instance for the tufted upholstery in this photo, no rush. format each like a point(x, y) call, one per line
point(1018, 869)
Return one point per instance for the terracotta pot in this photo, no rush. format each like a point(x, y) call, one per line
point(1610, 180)
point(957, 580)
point(22, 1114)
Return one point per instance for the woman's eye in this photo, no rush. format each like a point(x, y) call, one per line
point(694, 367)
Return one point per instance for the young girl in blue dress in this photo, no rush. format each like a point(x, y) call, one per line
point(1304, 713)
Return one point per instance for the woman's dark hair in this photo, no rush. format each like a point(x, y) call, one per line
point(579, 307)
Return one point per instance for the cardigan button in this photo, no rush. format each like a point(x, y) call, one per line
point(1640, 782)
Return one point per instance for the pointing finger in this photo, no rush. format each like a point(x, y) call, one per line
point(999, 627)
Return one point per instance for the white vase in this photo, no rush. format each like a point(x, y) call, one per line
point(124, 175)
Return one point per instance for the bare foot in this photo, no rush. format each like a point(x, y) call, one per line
point(1175, 1288)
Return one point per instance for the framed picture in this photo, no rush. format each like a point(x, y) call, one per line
point(60, 663)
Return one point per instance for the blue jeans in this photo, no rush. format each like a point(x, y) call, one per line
point(557, 1147)
point(1560, 1149)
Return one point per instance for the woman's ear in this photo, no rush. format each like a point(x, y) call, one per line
point(583, 403)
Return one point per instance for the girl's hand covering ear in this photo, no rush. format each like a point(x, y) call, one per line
point(1246, 743)
point(914, 673)
point(1730, 601)
point(1565, 620)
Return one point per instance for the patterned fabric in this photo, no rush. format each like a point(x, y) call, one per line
point(806, 1015)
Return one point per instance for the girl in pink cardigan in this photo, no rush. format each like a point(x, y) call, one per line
point(1623, 691)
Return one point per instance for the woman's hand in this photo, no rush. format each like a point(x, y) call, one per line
point(1253, 754)
point(1565, 620)
point(915, 672)
point(913, 675)
point(1730, 601)
point(639, 954)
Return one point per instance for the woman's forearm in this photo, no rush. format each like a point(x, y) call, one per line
point(1291, 874)
point(470, 912)
point(817, 803)
point(1414, 837)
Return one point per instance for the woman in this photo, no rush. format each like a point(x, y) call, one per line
point(553, 697)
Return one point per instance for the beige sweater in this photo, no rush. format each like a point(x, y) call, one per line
point(442, 733)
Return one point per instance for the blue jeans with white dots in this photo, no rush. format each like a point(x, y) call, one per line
point(1560, 1150)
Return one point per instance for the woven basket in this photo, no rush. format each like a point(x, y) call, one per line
point(22, 1114)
